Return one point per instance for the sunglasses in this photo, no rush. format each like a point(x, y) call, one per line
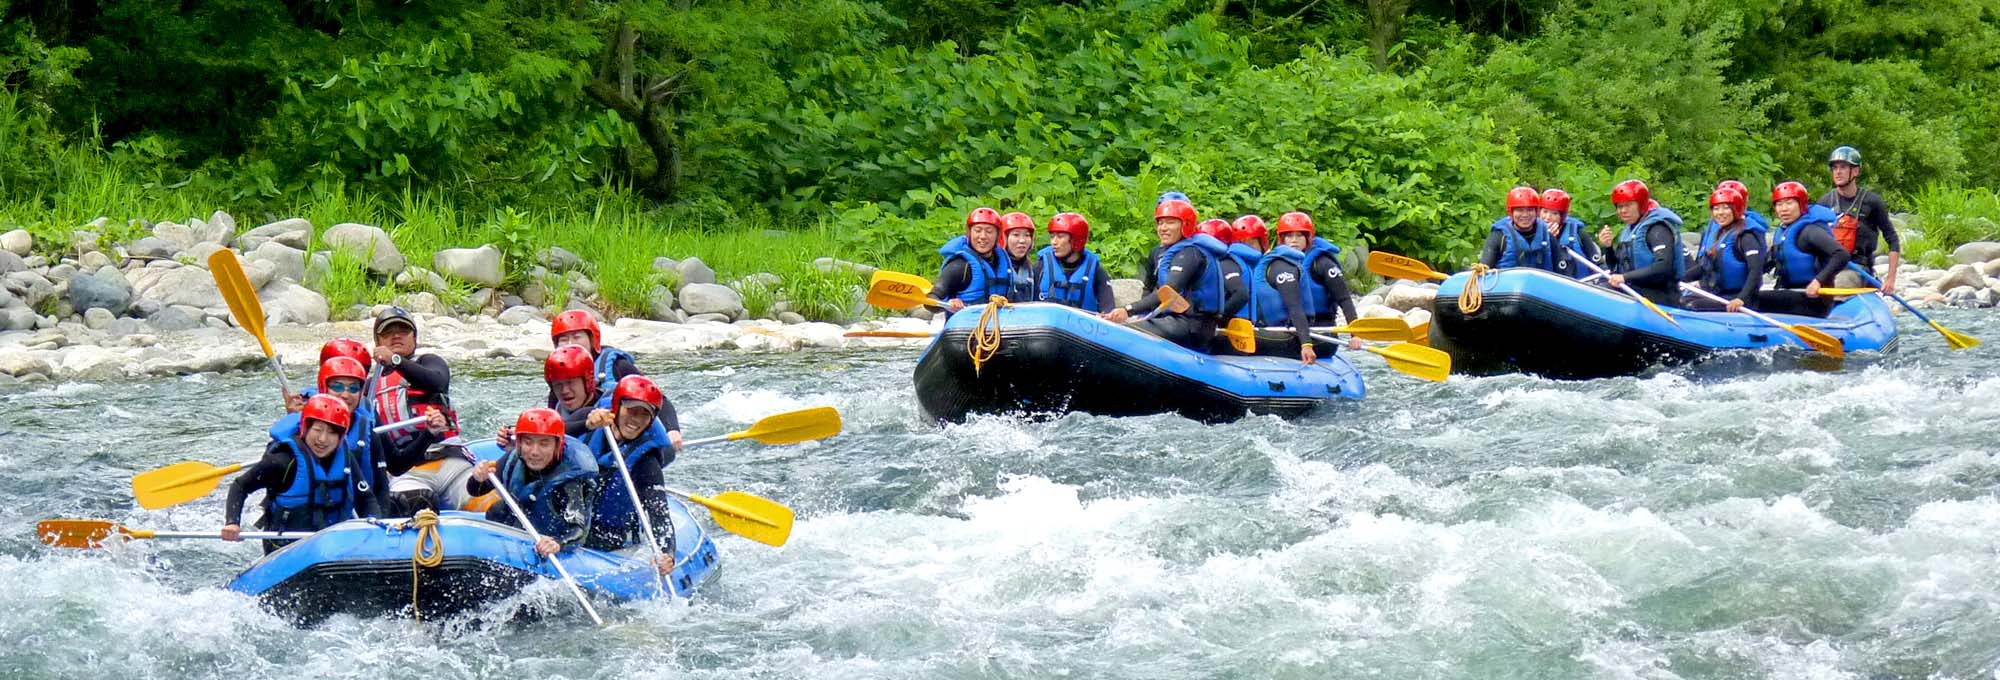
point(353, 388)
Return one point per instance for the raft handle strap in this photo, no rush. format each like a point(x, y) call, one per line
point(1471, 299)
point(429, 552)
point(985, 340)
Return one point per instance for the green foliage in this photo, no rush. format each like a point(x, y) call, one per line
point(347, 282)
point(1945, 217)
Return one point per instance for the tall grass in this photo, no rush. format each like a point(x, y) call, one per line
point(1947, 217)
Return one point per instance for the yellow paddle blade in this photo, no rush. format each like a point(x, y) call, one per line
point(793, 427)
point(1818, 340)
point(78, 533)
point(1416, 361)
point(1379, 329)
point(1836, 292)
point(753, 517)
point(1421, 334)
point(237, 291)
point(1956, 339)
point(178, 483)
point(1171, 300)
point(1242, 335)
point(897, 290)
point(1656, 309)
point(1393, 266)
point(887, 334)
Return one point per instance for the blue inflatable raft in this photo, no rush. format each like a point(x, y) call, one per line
point(1537, 322)
point(1056, 359)
point(364, 567)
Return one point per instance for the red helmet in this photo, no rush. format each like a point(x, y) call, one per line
point(1792, 190)
point(328, 409)
point(1556, 199)
point(1631, 191)
point(983, 216)
point(1176, 208)
point(1251, 227)
point(576, 320)
point(1072, 224)
point(1295, 222)
point(542, 421)
point(638, 387)
point(1523, 197)
point(340, 367)
point(1218, 229)
point(1016, 220)
point(1727, 196)
point(343, 347)
point(568, 362)
point(1733, 184)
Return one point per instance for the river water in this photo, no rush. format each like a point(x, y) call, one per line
point(1744, 521)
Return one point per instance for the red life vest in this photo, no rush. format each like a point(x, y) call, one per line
point(396, 401)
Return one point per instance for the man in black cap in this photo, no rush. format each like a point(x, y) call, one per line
point(414, 385)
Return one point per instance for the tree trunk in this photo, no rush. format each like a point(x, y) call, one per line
point(1385, 28)
point(650, 110)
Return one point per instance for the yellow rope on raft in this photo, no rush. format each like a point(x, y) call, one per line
point(428, 554)
point(985, 343)
point(1470, 299)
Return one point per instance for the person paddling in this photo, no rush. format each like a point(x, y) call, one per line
point(1070, 273)
point(306, 477)
point(1189, 262)
point(634, 419)
point(1300, 284)
point(577, 327)
point(1730, 263)
point(1647, 253)
point(553, 477)
point(1807, 254)
point(973, 269)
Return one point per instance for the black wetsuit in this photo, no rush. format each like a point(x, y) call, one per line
point(1655, 281)
point(1192, 329)
point(575, 500)
point(1750, 247)
point(1822, 245)
point(1871, 218)
point(273, 474)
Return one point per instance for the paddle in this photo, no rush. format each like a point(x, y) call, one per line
point(1421, 334)
point(92, 533)
point(1953, 338)
point(1393, 266)
point(753, 517)
point(1813, 337)
point(536, 537)
point(1379, 329)
point(791, 427)
point(1841, 292)
point(1170, 301)
point(182, 482)
point(1242, 335)
point(1628, 289)
point(243, 304)
point(1416, 360)
point(638, 506)
point(897, 290)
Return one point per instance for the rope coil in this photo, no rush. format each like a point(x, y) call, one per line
point(429, 552)
point(985, 343)
point(1471, 299)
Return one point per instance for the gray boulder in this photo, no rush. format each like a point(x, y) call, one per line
point(709, 298)
point(142, 307)
point(98, 318)
point(191, 286)
point(717, 318)
point(1960, 275)
point(693, 271)
point(557, 259)
point(94, 260)
point(660, 304)
point(175, 318)
point(791, 317)
point(18, 242)
point(369, 242)
point(176, 233)
point(480, 266)
point(1404, 298)
point(293, 232)
point(152, 246)
point(421, 302)
point(83, 241)
point(520, 314)
point(31, 288)
point(1976, 252)
point(288, 302)
point(107, 290)
point(534, 292)
point(10, 263)
point(666, 264)
point(200, 252)
point(286, 262)
point(1125, 291)
point(580, 286)
point(18, 319)
point(419, 278)
point(830, 265)
point(221, 227)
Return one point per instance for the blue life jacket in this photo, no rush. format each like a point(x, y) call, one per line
point(614, 504)
point(607, 363)
point(1270, 306)
point(360, 433)
point(1728, 271)
point(537, 497)
point(1531, 250)
point(987, 280)
point(317, 498)
point(1758, 219)
point(1634, 255)
point(1570, 241)
point(603, 401)
point(1246, 259)
point(1021, 283)
point(1796, 267)
point(1206, 298)
point(1074, 288)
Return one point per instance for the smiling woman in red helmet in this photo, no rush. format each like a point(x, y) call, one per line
point(1566, 234)
point(1069, 273)
point(1647, 253)
point(307, 476)
point(553, 477)
point(975, 268)
point(1807, 254)
point(1519, 239)
point(1017, 235)
point(1730, 260)
point(1299, 284)
point(578, 327)
point(633, 420)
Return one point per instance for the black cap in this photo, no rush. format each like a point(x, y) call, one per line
point(394, 315)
